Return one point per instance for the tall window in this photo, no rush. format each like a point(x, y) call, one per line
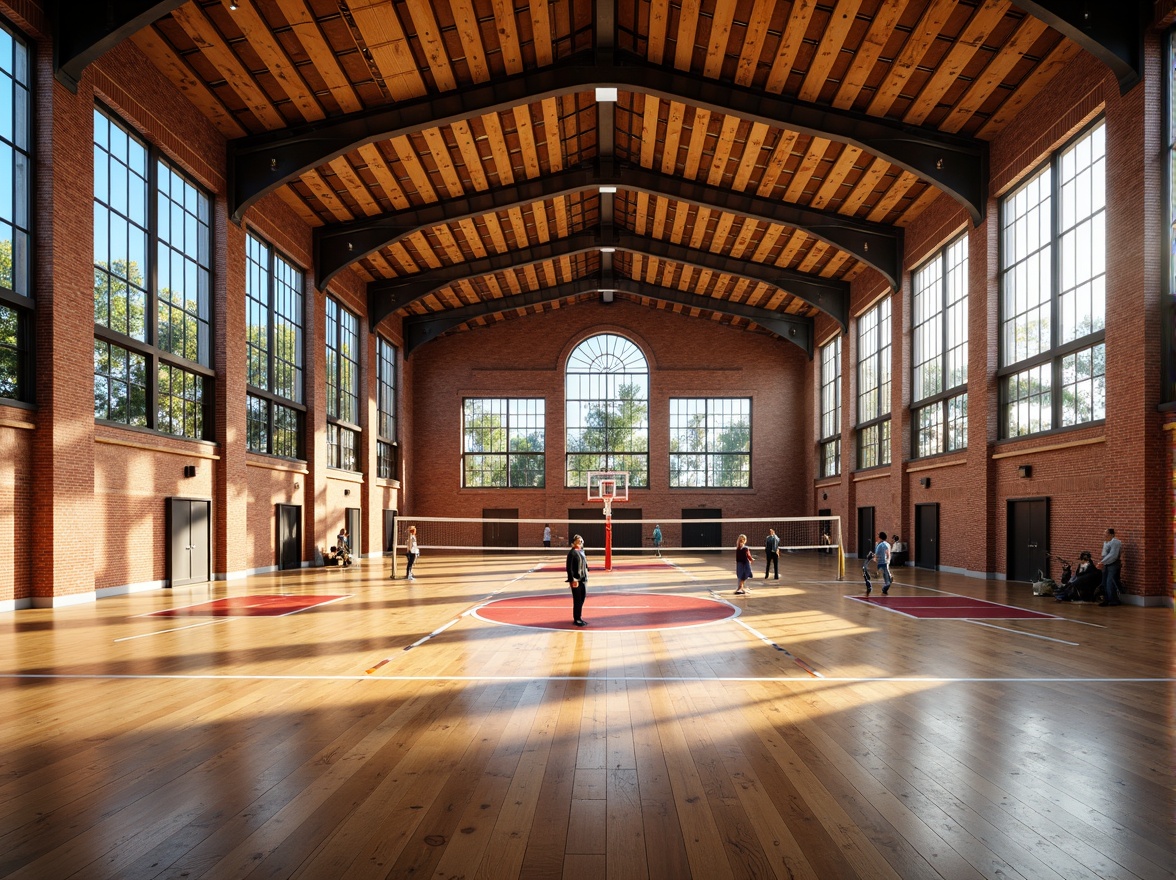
point(710, 442)
point(830, 443)
point(342, 330)
point(939, 351)
point(152, 289)
point(16, 305)
point(607, 392)
point(274, 340)
point(873, 374)
point(503, 443)
point(1053, 299)
point(386, 445)
point(1170, 335)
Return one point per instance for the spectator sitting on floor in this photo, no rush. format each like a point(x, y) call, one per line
point(1084, 584)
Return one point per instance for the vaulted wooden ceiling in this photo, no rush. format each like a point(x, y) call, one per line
point(759, 154)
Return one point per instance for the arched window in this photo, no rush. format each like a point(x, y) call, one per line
point(607, 385)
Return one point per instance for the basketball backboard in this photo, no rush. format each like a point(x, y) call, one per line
point(608, 486)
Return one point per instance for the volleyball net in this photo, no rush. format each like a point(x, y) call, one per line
point(820, 535)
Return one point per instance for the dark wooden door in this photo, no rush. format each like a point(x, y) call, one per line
point(927, 536)
point(708, 535)
point(503, 534)
point(1028, 538)
point(189, 541)
point(289, 527)
point(866, 536)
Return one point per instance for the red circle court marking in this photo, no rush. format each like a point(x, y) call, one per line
point(607, 611)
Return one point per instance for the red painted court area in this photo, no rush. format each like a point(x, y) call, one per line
point(248, 606)
point(950, 607)
point(607, 611)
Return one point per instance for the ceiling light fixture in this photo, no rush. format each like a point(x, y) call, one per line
point(608, 250)
point(606, 93)
point(608, 189)
point(232, 5)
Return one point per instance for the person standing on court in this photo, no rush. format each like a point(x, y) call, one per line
point(547, 537)
point(743, 560)
point(882, 560)
point(1111, 565)
point(657, 539)
point(772, 552)
point(412, 551)
point(577, 568)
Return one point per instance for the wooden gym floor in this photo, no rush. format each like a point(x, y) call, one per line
point(395, 733)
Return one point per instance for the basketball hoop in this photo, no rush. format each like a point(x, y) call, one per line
point(607, 487)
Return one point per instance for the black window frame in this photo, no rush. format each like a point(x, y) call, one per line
point(1023, 378)
point(533, 413)
point(874, 432)
point(17, 305)
point(344, 435)
point(711, 409)
point(829, 411)
point(387, 425)
point(155, 357)
point(275, 422)
point(943, 404)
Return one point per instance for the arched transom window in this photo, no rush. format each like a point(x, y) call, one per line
point(607, 386)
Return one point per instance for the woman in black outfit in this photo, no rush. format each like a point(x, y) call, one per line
point(577, 567)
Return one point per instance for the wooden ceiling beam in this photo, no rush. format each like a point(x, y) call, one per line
point(954, 163)
point(1111, 32)
point(831, 297)
point(85, 31)
point(422, 329)
point(339, 244)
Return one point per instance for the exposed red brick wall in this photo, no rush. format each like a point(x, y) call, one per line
point(688, 357)
point(16, 504)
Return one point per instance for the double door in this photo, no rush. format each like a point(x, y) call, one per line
point(189, 549)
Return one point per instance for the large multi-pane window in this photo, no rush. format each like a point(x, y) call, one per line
point(1170, 330)
point(275, 408)
point(152, 289)
point(386, 444)
point(710, 442)
point(1053, 297)
point(503, 443)
point(830, 442)
point(342, 373)
point(607, 395)
point(873, 375)
point(939, 351)
point(16, 305)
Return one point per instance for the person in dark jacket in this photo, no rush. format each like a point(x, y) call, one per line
point(577, 567)
point(1084, 584)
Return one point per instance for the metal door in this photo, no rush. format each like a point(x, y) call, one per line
point(189, 557)
point(866, 536)
point(927, 536)
point(289, 536)
point(707, 535)
point(1028, 538)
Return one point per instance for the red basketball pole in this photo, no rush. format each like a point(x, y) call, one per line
point(607, 536)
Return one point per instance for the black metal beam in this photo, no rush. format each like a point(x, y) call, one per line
point(86, 30)
point(421, 329)
point(1111, 32)
point(956, 164)
point(831, 297)
point(340, 244)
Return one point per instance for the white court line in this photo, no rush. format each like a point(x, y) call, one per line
point(222, 619)
point(1015, 631)
point(160, 632)
point(861, 679)
point(759, 635)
